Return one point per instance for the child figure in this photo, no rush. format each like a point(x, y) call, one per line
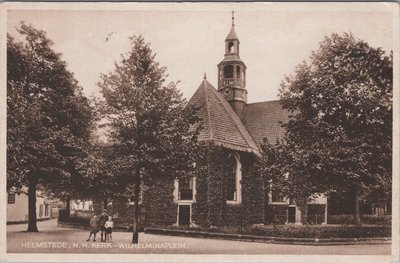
point(109, 226)
point(94, 227)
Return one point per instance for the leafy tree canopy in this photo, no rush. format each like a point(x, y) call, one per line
point(151, 130)
point(339, 135)
point(149, 123)
point(49, 121)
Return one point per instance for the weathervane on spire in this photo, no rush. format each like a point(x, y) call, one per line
point(233, 18)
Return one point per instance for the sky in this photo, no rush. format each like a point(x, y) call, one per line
point(189, 38)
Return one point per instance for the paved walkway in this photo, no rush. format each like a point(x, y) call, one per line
point(53, 239)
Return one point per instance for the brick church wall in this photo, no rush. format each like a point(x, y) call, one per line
point(216, 190)
point(251, 211)
point(159, 205)
point(211, 208)
point(200, 207)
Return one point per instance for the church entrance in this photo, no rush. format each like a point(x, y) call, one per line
point(184, 215)
point(291, 214)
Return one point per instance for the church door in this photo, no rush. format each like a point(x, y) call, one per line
point(291, 214)
point(184, 215)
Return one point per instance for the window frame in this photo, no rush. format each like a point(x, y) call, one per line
point(231, 47)
point(281, 197)
point(176, 197)
point(41, 210)
point(182, 183)
point(11, 199)
point(46, 210)
point(238, 181)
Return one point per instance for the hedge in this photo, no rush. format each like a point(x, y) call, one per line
point(365, 219)
point(345, 231)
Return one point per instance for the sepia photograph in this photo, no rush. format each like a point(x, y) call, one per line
point(200, 131)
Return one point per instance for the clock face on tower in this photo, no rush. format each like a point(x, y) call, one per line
point(227, 92)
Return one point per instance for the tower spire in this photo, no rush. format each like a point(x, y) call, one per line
point(232, 73)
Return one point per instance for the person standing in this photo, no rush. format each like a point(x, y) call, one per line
point(109, 225)
point(94, 227)
point(102, 220)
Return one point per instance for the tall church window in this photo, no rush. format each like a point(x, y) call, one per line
point(231, 47)
point(228, 71)
point(233, 179)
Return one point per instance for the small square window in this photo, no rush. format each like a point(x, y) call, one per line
point(278, 197)
point(11, 198)
point(186, 189)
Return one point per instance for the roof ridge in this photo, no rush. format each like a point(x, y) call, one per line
point(263, 102)
point(230, 116)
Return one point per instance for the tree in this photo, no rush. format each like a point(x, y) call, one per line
point(49, 121)
point(105, 175)
point(150, 126)
point(339, 135)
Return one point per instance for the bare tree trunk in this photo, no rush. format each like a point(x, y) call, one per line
point(68, 206)
point(357, 212)
point(105, 203)
point(32, 223)
point(135, 237)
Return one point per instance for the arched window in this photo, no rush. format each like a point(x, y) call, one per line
point(233, 179)
point(238, 72)
point(231, 47)
point(228, 71)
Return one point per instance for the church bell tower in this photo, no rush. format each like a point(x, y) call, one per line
point(232, 73)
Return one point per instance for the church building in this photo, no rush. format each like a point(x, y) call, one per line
point(227, 190)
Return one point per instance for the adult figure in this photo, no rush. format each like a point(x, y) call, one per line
point(102, 221)
point(94, 227)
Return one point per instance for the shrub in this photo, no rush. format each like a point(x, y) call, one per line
point(304, 231)
point(344, 231)
point(366, 219)
point(78, 220)
point(62, 215)
point(374, 220)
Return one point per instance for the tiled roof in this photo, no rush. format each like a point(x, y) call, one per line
point(264, 120)
point(220, 123)
point(232, 35)
point(231, 58)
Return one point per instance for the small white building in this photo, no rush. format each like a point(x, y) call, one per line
point(17, 206)
point(81, 205)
